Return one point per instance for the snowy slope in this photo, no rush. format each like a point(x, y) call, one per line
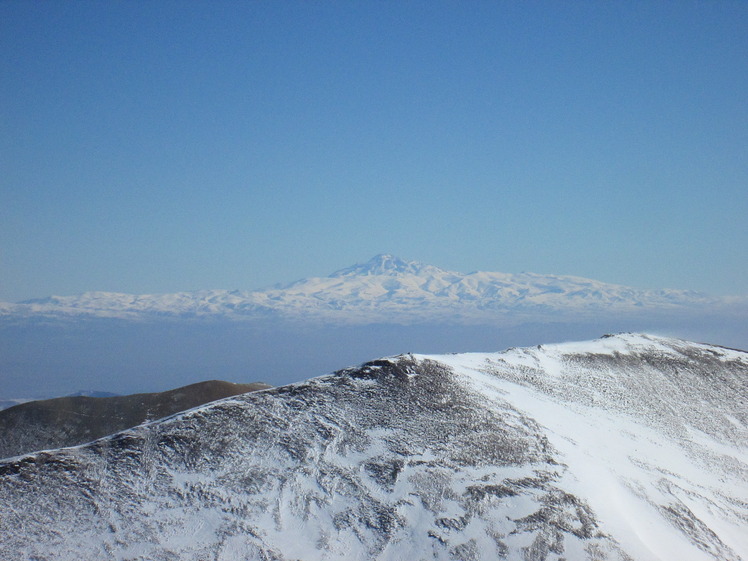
point(627, 447)
point(388, 289)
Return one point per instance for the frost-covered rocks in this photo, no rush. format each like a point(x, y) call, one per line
point(628, 447)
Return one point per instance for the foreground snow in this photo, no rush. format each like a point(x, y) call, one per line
point(628, 447)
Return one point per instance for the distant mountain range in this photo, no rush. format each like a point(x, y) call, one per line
point(627, 448)
point(387, 290)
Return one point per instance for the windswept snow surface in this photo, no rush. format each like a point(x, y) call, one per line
point(627, 447)
point(388, 289)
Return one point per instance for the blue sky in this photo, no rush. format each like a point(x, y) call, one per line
point(167, 146)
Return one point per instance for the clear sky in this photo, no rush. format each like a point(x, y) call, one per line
point(168, 146)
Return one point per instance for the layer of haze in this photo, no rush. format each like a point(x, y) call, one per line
point(166, 146)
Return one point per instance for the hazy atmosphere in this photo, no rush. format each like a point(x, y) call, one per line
point(374, 280)
point(153, 147)
point(225, 150)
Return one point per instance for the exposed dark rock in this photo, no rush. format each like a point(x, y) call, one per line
point(452, 458)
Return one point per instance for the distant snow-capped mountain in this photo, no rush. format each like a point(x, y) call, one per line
point(630, 447)
point(385, 289)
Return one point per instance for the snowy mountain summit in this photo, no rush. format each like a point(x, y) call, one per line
point(630, 447)
point(386, 264)
point(389, 289)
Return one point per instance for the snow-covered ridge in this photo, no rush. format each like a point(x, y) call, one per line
point(630, 447)
point(386, 289)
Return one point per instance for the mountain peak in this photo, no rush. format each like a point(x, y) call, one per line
point(472, 456)
point(382, 264)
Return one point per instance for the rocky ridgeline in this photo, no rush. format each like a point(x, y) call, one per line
point(628, 447)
